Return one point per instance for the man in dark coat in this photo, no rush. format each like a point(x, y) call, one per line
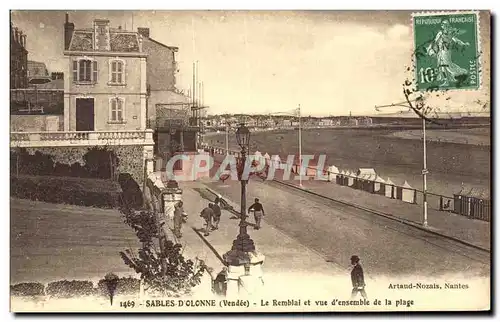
point(258, 212)
point(207, 214)
point(220, 282)
point(357, 278)
point(217, 213)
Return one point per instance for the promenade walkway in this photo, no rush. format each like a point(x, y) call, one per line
point(307, 249)
point(475, 232)
point(286, 258)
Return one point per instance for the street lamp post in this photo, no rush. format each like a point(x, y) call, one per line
point(243, 261)
point(424, 175)
point(243, 139)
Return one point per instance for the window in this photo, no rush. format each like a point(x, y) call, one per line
point(85, 71)
point(116, 110)
point(116, 72)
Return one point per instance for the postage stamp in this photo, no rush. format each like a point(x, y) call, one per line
point(446, 50)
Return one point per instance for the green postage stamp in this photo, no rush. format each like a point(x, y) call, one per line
point(446, 50)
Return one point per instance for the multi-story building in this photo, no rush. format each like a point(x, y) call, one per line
point(168, 111)
point(106, 84)
point(104, 99)
point(18, 59)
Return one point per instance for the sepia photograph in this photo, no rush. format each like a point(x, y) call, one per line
point(250, 161)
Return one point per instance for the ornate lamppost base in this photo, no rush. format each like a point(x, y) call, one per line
point(244, 267)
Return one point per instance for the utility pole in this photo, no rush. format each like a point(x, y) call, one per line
point(300, 148)
point(424, 170)
point(227, 138)
point(424, 174)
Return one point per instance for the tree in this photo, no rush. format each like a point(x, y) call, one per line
point(165, 272)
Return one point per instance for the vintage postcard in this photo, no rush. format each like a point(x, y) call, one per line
point(250, 161)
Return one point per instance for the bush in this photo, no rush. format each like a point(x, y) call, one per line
point(27, 289)
point(70, 288)
point(99, 163)
point(132, 197)
point(82, 192)
point(125, 286)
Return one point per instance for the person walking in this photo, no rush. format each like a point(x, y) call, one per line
point(217, 213)
point(220, 282)
point(258, 212)
point(179, 215)
point(357, 278)
point(207, 213)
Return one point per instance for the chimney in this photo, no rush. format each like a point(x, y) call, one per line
point(143, 31)
point(69, 27)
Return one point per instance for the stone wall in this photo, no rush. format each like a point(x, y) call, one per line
point(36, 123)
point(131, 158)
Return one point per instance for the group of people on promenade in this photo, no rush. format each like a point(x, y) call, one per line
point(212, 215)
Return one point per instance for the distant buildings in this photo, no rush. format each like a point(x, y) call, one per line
point(18, 59)
point(37, 69)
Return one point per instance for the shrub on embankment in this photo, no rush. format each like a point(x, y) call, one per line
point(65, 190)
point(75, 288)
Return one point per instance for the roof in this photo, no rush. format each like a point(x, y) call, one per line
point(366, 171)
point(55, 84)
point(82, 40)
point(163, 45)
point(169, 98)
point(475, 193)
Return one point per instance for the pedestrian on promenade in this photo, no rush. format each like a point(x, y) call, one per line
point(220, 282)
point(207, 213)
point(217, 213)
point(258, 212)
point(179, 215)
point(357, 278)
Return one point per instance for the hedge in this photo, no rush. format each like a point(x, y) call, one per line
point(70, 288)
point(90, 192)
point(27, 289)
point(99, 162)
point(131, 192)
point(67, 289)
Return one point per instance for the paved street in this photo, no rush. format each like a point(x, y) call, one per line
point(49, 242)
point(386, 247)
point(475, 232)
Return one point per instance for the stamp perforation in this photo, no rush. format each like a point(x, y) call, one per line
point(477, 41)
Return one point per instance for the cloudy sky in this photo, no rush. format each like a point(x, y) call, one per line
point(331, 63)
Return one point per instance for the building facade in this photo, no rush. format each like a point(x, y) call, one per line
point(105, 87)
point(168, 111)
point(18, 59)
point(37, 69)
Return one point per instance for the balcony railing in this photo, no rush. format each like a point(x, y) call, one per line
point(81, 138)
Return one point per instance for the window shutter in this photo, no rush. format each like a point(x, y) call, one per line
point(119, 110)
point(113, 109)
point(75, 70)
point(94, 71)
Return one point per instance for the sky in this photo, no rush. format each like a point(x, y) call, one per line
point(329, 62)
